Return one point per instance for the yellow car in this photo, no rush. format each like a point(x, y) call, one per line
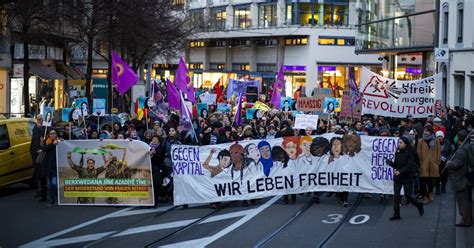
point(15, 159)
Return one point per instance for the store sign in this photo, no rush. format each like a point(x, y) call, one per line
point(326, 68)
point(294, 68)
point(441, 54)
point(416, 71)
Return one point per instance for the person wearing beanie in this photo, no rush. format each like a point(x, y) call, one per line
point(429, 153)
point(446, 151)
point(383, 131)
point(404, 167)
point(438, 126)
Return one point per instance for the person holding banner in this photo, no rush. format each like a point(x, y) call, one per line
point(429, 153)
point(49, 169)
point(405, 171)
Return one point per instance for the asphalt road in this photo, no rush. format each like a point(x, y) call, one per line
point(26, 222)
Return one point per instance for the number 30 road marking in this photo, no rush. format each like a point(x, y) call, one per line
point(355, 220)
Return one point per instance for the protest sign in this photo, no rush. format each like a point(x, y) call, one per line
point(330, 104)
point(303, 121)
point(98, 107)
point(397, 98)
point(203, 110)
point(289, 165)
point(65, 114)
point(104, 172)
point(210, 99)
point(223, 107)
point(48, 116)
point(314, 103)
point(238, 87)
point(349, 114)
point(82, 106)
point(287, 104)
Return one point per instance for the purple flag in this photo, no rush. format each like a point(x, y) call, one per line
point(183, 82)
point(278, 88)
point(186, 120)
point(355, 94)
point(122, 75)
point(238, 115)
point(173, 96)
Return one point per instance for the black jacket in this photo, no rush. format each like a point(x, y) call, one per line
point(38, 132)
point(49, 162)
point(405, 163)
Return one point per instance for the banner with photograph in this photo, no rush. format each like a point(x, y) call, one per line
point(107, 172)
point(350, 111)
point(208, 98)
point(48, 116)
point(98, 106)
point(397, 98)
point(66, 114)
point(291, 165)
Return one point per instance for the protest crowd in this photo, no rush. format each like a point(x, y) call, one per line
point(423, 162)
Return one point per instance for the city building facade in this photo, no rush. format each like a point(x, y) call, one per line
point(456, 33)
point(314, 40)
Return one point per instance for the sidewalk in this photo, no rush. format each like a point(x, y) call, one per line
point(464, 235)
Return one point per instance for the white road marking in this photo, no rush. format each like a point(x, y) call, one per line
point(37, 243)
point(143, 211)
point(92, 237)
point(202, 242)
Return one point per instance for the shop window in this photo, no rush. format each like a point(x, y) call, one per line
point(267, 15)
point(218, 18)
point(296, 41)
point(4, 139)
point(217, 66)
point(266, 42)
point(241, 42)
point(240, 67)
point(242, 17)
point(336, 41)
point(196, 66)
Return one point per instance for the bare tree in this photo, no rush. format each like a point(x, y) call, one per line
point(29, 19)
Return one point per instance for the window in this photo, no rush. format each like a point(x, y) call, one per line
point(197, 19)
point(445, 22)
point(267, 15)
point(336, 41)
point(331, 12)
point(460, 21)
point(4, 139)
point(242, 17)
point(196, 43)
point(240, 67)
point(241, 42)
point(296, 41)
point(218, 18)
point(266, 67)
point(217, 66)
point(217, 43)
point(196, 66)
point(266, 42)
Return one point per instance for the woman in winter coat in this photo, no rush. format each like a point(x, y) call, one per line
point(49, 170)
point(404, 170)
point(429, 153)
point(160, 170)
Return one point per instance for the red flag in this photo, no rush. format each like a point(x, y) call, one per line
point(135, 109)
point(218, 91)
point(298, 92)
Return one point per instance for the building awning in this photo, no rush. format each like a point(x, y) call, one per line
point(43, 71)
point(69, 72)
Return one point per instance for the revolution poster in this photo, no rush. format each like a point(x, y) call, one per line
point(290, 165)
point(397, 98)
point(107, 172)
